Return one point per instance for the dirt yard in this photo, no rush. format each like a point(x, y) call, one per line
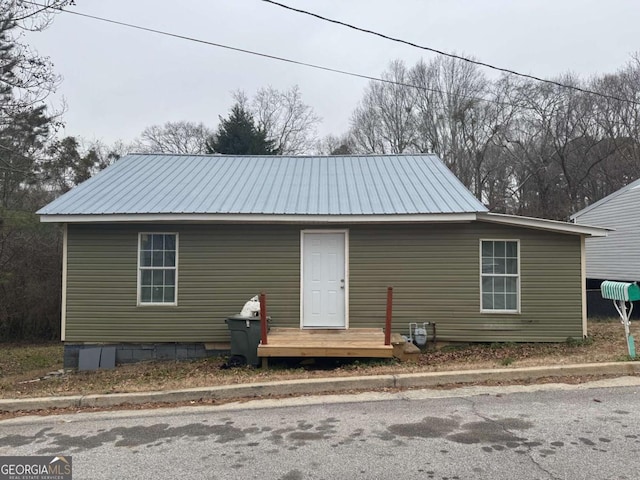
point(22, 367)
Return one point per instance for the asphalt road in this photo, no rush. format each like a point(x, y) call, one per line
point(482, 433)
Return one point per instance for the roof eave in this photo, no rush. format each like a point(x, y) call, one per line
point(257, 218)
point(543, 224)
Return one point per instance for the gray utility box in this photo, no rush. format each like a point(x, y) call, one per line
point(245, 337)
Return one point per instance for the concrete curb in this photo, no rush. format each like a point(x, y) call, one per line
point(320, 386)
point(432, 379)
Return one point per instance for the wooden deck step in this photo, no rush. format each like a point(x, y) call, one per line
point(355, 342)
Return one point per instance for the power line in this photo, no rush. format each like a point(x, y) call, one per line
point(274, 57)
point(291, 61)
point(450, 55)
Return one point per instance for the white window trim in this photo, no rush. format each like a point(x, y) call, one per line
point(139, 272)
point(65, 261)
point(508, 312)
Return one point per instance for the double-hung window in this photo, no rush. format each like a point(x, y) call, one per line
point(158, 268)
point(500, 276)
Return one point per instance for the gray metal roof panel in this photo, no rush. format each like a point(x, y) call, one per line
point(311, 185)
point(611, 196)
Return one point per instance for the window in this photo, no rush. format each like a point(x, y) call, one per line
point(500, 275)
point(157, 276)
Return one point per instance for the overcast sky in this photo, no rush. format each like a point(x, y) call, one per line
point(116, 81)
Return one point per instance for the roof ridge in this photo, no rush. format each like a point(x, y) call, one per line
point(224, 155)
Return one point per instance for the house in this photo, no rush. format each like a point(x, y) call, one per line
point(160, 249)
point(616, 256)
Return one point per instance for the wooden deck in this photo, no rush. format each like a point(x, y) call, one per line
point(354, 342)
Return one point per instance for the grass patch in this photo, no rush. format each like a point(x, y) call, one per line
point(19, 359)
point(455, 347)
point(500, 345)
point(505, 362)
point(579, 342)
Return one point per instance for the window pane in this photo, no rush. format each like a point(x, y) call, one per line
point(157, 294)
point(512, 265)
point(145, 294)
point(511, 285)
point(512, 249)
point(145, 277)
point(487, 265)
point(157, 259)
point(158, 244)
point(512, 301)
point(169, 259)
point(169, 277)
point(169, 242)
point(499, 249)
point(487, 284)
point(487, 301)
point(169, 295)
point(145, 258)
point(498, 285)
point(500, 265)
point(487, 249)
point(145, 242)
point(157, 278)
point(499, 302)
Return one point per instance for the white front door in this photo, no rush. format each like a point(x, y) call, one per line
point(324, 280)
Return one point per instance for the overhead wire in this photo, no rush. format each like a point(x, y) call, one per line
point(450, 55)
point(280, 58)
point(298, 62)
point(252, 52)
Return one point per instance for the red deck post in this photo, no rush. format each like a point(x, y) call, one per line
point(387, 325)
point(263, 318)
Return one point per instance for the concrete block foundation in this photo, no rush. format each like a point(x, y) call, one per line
point(133, 353)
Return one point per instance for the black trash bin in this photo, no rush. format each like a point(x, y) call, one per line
point(245, 338)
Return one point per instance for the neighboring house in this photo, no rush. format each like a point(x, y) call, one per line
point(616, 256)
point(159, 249)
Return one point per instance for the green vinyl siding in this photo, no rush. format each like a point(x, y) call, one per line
point(219, 269)
point(434, 269)
point(435, 272)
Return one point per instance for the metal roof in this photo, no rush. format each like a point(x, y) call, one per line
point(270, 185)
point(633, 185)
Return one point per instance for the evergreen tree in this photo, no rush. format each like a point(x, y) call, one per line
point(238, 135)
point(69, 165)
point(21, 144)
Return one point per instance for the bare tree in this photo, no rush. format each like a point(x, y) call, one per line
point(619, 123)
point(450, 116)
point(175, 137)
point(366, 128)
point(336, 145)
point(556, 146)
point(26, 78)
point(288, 122)
point(384, 121)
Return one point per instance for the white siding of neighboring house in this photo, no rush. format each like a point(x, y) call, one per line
point(616, 256)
